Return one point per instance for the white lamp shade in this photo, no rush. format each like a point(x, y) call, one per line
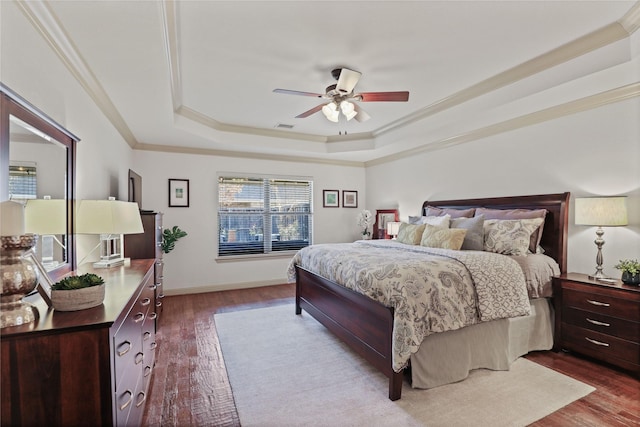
point(393, 228)
point(46, 216)
point(108, 217)
point(11, 218)
point(601, 211)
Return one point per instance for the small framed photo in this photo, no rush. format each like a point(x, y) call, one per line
point(44, 281)
point(349, 199)
point(330, 198)
point(178, 193)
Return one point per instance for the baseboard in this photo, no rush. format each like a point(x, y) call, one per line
point(222, 287)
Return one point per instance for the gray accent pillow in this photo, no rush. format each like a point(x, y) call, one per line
point(454, 213)
point(474, 239)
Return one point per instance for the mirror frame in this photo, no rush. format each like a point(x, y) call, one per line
point(12, 104)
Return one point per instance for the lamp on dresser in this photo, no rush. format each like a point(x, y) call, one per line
point(110, 219)
point(48, 218)
point(393, 228)
point(601, 212)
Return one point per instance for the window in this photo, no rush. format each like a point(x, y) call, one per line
point(260, 215)
point(22, 182)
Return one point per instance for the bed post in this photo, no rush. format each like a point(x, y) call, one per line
point(395, 385)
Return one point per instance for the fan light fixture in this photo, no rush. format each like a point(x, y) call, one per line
point(332, 113)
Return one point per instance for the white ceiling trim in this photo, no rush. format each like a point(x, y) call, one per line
point(47, 24)
point(576, 106)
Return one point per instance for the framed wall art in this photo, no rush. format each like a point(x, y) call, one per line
point(330, 198)
point(383, 216)
point(349, 199)
point(178, 193)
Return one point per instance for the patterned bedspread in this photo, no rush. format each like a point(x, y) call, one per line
point(431, 290)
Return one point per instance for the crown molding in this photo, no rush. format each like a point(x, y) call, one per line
point(631, 20)
point(43, 19)
point(170, 31)
point(572, 107)
point(244, 155)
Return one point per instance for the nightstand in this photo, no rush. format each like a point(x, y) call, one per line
point(598, 319)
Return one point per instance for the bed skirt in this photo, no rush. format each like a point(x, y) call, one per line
point(448, 357)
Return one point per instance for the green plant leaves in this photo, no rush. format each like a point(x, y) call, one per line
point(169, 238)
point(78, 282)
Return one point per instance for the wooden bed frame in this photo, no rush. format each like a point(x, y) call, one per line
point(366, 325)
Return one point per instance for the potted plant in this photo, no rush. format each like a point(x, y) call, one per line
point(630, 271)
point(169, 238)
point(365, 220)
point(77, 292)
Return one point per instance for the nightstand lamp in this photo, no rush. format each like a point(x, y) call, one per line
point(392, 229)
point(601, 212)
point(110, 219)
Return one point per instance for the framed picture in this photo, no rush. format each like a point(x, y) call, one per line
point(330, 199)
point(178, 193)
point(383, 216)
point(44, 281)
point(349, 199)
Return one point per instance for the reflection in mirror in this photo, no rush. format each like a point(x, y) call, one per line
point(37, 178)
point(37, 168)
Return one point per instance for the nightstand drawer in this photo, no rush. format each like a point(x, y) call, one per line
point(613, 326)
point(602, 304)
point(600, 345)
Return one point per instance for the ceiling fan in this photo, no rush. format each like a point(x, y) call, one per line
point(341, 95)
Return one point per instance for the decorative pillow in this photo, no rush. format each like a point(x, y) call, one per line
point(453, 213)
point(445, 238)
point(410, 233)
point(438, 221)
point(509, 236)
point(518, 214)
point(474, 239)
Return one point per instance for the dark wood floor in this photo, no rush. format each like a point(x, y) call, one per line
point(190, 385)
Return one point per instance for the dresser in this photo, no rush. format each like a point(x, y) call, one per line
point(598, 319)
point(86, 367)
point(149, 245)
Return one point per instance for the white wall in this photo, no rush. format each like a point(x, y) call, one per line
point(591, 153)
point(192, 265)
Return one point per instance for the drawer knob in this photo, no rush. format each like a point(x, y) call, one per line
point(600, 343)
point(129, 399)
point(125, 350)
point(147, 371)
point(153, 345)
point(153, 316)
point(146, 336)
point(595, 322)
point(145, 302)
point(598, 303)
point(139, 318)
point(139, 358)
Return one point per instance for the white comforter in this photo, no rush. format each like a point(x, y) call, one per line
point(431, 290)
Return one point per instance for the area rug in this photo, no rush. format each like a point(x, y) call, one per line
point(288, 370)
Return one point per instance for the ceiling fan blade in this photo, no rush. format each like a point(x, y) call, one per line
point(310, 112)
point(383, 96)
point(347, 80)
point(362, 115)
point(297, 92)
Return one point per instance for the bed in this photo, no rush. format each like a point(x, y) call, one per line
point(367, 326)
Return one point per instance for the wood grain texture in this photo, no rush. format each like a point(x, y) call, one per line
point(616, 401)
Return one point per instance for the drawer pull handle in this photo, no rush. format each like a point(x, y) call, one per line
point(147, 371)
point(125, 404)
point(603, 344)
point(153, 345)
point(161, 296)
point(153, 316)
point(126, 350)
point(601, 304)
point(139, 318)
point(141, 400)
point(145, 302)
point(595, 322)
point(154, 287)
point(159, 304)
point(139, 358)
point(146, 336)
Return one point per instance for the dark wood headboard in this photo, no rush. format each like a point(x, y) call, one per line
point(554, 234)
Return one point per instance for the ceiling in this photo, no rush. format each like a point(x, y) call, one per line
point(198, 76)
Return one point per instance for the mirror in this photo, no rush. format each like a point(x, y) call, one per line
point(38, 159)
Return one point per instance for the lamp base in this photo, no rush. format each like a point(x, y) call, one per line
point(108, 263)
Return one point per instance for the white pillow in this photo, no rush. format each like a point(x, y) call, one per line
point(438, 221)
point(509, 236)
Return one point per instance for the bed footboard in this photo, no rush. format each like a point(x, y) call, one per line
point(362, 323)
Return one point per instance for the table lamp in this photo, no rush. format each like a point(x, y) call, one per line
point(393, 228)
point(601, 212)
point(110, 219)
point(48, 218)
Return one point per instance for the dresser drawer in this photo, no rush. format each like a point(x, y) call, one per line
point(600, 345)
point(602, 304)
point(127, 344)
point(613, 326)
